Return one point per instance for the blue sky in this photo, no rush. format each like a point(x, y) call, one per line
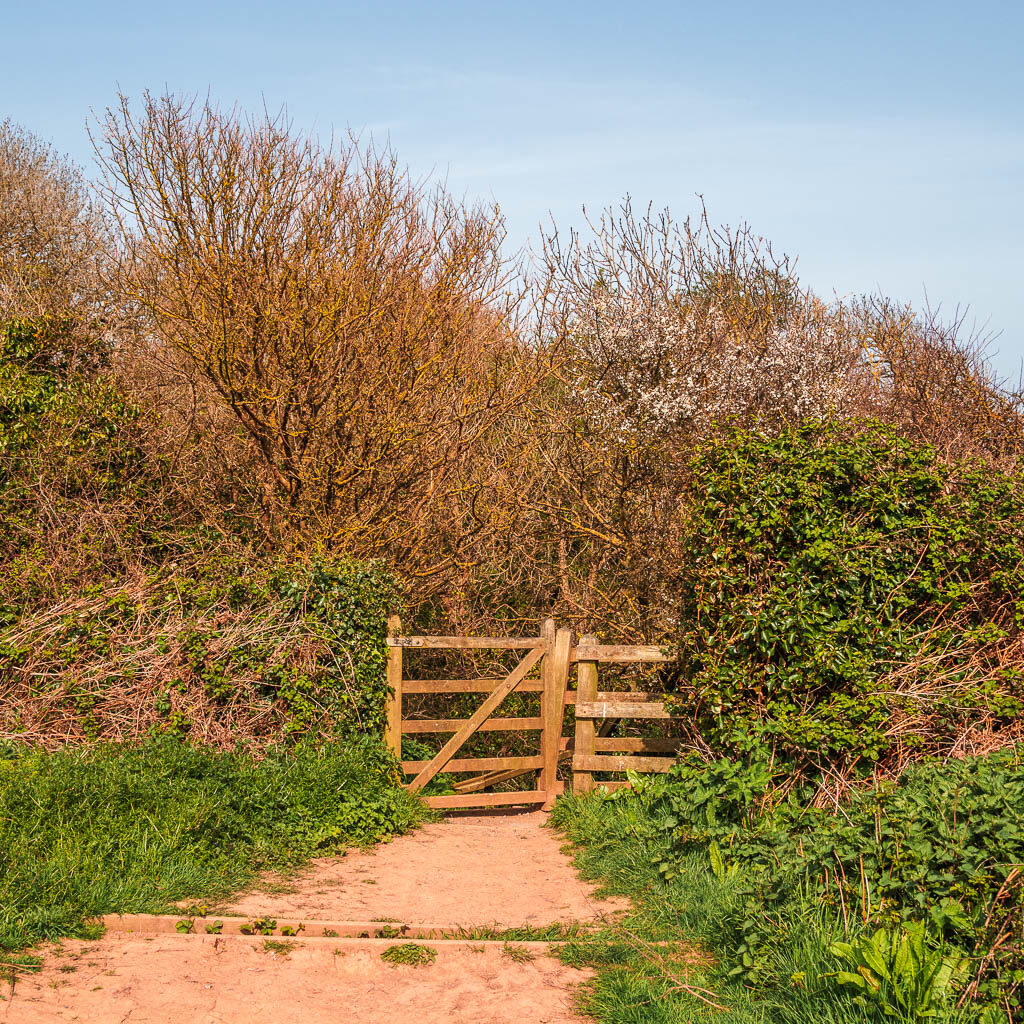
point(881, 144)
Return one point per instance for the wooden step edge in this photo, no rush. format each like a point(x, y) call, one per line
point(317, 931)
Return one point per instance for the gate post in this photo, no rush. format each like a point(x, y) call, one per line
point(555, 676)
point(586, 693)
point(393, 734)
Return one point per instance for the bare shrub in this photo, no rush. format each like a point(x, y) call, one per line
point(54, 239)
point(344, 332)
point(931, 380)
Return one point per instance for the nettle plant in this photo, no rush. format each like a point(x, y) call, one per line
point(846, 595)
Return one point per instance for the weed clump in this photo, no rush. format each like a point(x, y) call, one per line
point(411, 954)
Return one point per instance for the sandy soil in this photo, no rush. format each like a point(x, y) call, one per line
point(213, 980)
point(472, 870)
point(466, 871)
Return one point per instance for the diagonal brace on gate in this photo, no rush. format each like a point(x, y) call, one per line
point(482, 713)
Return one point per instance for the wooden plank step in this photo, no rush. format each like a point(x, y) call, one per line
point(455, 724)
point(384, 932)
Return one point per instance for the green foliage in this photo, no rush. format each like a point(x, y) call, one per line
point(46, 343)
point(737, 858)
point(259, 926)
point(942, 846)
point(837, 577)
point(296, 647)
point(411, 954)
point(898, 972)
point(85, 832)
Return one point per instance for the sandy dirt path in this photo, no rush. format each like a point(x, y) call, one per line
point(504, 869)
point(210, 980)
point(463, 872)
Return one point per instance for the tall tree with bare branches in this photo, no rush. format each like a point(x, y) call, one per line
point(351, 327)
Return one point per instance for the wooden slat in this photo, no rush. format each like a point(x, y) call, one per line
point(620, 709)
point(612, 786)
point(527, 796)
point(479, 764)
point(586, 684)
point(454, 724)
point(637, 744)
point(620, 654)
point(571, 696)
point(617, 763)
point(553, 709)
point(500, 692)
point(393, 736)
point(466, 685)
point(465, 643)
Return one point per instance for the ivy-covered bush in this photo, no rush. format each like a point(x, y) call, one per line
point(846, 594)
point(229, 649)
point(125, 612)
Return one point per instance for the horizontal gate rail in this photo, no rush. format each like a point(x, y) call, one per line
point(620, 654)
point(621, 708)
point(459, 800)
point(465, 685)
point(621, 763)
point(466, 643)
point(637, 744)
point(455, 724)
point(481, 764)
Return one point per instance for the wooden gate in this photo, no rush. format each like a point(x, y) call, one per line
point(543, 668)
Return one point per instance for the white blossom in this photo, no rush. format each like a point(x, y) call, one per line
point(646, 369)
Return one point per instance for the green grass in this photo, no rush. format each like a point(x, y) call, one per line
point(524, 933)
point(91, 831)
point(673, 957)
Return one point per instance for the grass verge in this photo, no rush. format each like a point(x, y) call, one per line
point(116, 829)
